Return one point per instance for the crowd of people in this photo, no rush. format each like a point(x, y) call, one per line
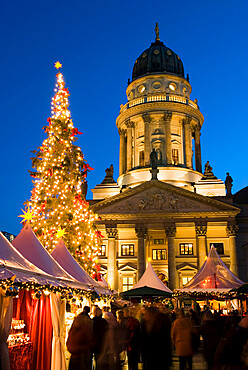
point(120, 340)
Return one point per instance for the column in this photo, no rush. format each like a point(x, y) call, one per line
point(171, 233)
point(147, 146)
point(198, 164)
point(201, 232)
point(187, 141)
point(141, 233)
point(129, 150)
point(167, 120)
point(232, 231)
point(122, 159)
point(112, 234)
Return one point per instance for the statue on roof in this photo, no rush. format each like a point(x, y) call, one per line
point(228, 184)
point(208, 172)
point(157, 32)
point(109, 175)
point(154, 159)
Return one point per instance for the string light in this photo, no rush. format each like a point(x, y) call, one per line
point(57, 203)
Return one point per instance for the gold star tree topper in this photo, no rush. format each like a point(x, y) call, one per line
point(58, 65)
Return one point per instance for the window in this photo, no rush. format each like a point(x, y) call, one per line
point(159, 156)
point(186, 279)
point(102, 251)
point(141, 158)
point(158, 241)
point(127, 283)
point(219, 247)
point(127, 250)
point(159, 254)
point(186, 248)
point(175, 156)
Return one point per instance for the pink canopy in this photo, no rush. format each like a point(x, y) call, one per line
point(13, 264)
point(71, 266)
point(212, 276)
point(151, 280)
point(30, 247)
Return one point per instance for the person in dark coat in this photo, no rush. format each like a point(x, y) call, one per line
point(211, 334)
point(79, 342)
point(229, 351)
point(155, 354)
point(100, 330)
point(133, 339)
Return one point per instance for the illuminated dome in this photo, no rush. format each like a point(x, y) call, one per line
point(158, 59)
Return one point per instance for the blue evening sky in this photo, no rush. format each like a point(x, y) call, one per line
point(98, 42)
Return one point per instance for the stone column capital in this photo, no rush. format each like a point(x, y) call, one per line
point(129, 123)
point(141, 231)
point(147, 117)
point(170, 231)
point(232, 230)
point(167, 116)
point(112, 232)
point(186, 120)
point(200, 229)
point(122, 131)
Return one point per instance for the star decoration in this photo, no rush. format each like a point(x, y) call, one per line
point(58, 65)
point(27, 215)
point(60, 233)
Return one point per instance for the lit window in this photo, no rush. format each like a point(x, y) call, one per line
point(172, 86)
point(186, 248)
point(175, 156)
point(127, 283)
point(141, 88)
point(158, 241)
point(159, 254)
point(102, 251)
point(186, 279)
point(219, 247)
point(127, 250)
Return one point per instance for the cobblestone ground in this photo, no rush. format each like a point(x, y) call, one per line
point(198, 362)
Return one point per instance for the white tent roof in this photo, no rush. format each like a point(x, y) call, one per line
point(151, 280)
point(212, 276)
point(30, 247)
point(13, 264)
point(71, 266)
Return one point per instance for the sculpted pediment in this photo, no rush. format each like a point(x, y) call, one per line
point(154, 199)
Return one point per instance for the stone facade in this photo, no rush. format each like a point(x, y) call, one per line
point(174, 219)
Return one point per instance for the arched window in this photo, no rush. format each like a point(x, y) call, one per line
point(175, 156)
point(159, 156)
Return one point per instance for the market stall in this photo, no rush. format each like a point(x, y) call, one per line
point(212, 282)
point(16, 276)
point(71, 266)
point(50, 334)
point(149, 285)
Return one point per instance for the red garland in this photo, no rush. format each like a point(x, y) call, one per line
point(75, 131)
point(98, 234)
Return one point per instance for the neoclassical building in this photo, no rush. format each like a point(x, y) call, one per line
point(174, 213)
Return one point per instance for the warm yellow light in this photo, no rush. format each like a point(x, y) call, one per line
point(27, 215)
point(149, 259)
point(58, 65)
point(60, 233)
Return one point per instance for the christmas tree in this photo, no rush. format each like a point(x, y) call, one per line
point(57, 208)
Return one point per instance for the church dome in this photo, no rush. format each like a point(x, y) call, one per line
point(241, 197)
point(158, 59)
